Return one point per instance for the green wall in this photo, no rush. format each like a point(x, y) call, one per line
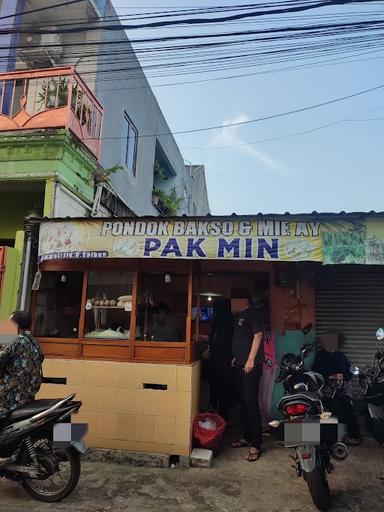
point(36, 156)
point(32, 156)
point(8, 298)
point(291, 341)
point(14, 207)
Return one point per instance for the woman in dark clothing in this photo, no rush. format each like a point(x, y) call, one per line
point(220, 340)
point(20, 367)
point(334, 366)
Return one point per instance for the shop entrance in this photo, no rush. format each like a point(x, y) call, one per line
point(218, 385)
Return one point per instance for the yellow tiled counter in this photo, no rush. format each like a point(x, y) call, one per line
point(121, 413)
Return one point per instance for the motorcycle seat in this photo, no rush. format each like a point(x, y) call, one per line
point(29, 410)
point(309, 395)
point(312, 395)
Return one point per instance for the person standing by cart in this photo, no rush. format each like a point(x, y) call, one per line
point(248, 358)
point(220, 343)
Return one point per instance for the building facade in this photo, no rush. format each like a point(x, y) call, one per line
point(95, 310)
point(79, 135)
point(136, 135)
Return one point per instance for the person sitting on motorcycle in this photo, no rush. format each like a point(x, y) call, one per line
point(20, 366)
point(334, 366)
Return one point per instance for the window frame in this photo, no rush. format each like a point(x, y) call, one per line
point(83, 308)
point(80, 323)
point(130, 126)
point(184, 274)
point(167, 352)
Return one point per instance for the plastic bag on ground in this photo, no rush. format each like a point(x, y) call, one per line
point(208, 430)
point(208, 424)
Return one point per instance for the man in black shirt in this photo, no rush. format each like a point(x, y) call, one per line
point(248, 358)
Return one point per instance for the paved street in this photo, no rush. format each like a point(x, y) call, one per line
point(232, 485)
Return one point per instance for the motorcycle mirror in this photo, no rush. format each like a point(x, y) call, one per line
point(355, 370)
point(307, 329)
point(380, 334)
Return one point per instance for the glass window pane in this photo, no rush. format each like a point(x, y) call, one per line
point(58, 304)
point(132, 150)
point(108, 305)
point(162, 303)
point(18, 94)
point(124, 145)
point(129, 145)
point(7, 97)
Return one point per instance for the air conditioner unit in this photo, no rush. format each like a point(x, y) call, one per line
point(41, 50)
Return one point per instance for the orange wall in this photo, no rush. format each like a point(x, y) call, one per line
point(283, 299)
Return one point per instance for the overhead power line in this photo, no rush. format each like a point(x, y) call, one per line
point(296, 134)
point(289, 7)
point(213, 53)
point(41, 9)
point(259, 119)
point(273, 45)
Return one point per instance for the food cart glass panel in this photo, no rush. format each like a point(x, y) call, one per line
point(58, 304)
point(108, 306)
point(162, 303)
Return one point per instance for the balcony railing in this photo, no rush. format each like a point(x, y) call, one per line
point(51, 98)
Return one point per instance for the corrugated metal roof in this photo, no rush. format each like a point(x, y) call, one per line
point(314, 214)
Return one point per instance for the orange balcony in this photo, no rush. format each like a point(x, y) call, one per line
point(51, 98)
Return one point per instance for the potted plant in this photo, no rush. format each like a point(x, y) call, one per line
point(54, 94)
point(159, 172)
point(101, 175)
point(168, 203)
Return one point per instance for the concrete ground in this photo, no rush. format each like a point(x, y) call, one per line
point(231, 485)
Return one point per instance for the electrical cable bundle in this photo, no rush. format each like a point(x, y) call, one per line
point(213, 41)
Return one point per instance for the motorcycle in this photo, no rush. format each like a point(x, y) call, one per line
point(308, 428)
point(40, 448)
point(371, 382)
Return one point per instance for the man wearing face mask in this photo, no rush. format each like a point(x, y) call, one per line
point(334, 366)
point(248, 358)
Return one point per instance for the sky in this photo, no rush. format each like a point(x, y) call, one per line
point(339, 168)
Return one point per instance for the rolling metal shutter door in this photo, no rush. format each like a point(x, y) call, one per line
point(350, 300)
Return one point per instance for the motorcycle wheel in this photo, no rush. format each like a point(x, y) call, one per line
point(319, 488)
point(62, 468)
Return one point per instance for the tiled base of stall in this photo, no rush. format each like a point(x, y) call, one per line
point(123, 410)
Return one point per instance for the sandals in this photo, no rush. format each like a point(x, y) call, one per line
point(242, 443)
point(254, 454)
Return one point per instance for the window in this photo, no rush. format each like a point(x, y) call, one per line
point(58, 305)
point(162, 303)
point(108, 306)
point(130, 135)
point(133, 311)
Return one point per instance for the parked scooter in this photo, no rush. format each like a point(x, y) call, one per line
point(372, 390)
point(303, 409)
point(40, 448)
